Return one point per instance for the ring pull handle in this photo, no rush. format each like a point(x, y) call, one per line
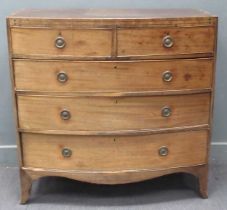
point(166, 111)
point(60, 42)
point(66, 152)
point(167, 76)
point(163, 151)
point(62, 77)
point(167, 41)
point(65, 115)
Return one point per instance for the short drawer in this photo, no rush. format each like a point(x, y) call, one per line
point(165, 41)
point(110, 113)
point(53, 42)
point(158, 151)
point(66, 76)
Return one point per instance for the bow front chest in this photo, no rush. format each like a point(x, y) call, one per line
point(112, 96)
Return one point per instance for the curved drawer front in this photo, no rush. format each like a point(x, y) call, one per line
point(110, 114)
point(60, 43)
point(165, 41)
point(66, 76)
point(156, 151)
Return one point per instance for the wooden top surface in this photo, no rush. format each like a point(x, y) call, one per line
point(109, 13)
point(98, 18)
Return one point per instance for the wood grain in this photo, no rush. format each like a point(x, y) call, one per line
point(103, 76)
point(26, 185)
point(115, 177)
point(115, 57)
point(109, 114)
point(79, 43)
point(115, 93)
point(14, 100)
point(70, 18)
point(149, 41)
point(115, 153)
point(103, 14)
point(117, 132)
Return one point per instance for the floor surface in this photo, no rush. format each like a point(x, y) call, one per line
point(165, 193)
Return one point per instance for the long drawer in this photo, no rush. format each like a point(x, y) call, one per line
point(66, 76)
point(158, 151)
point(112, 113)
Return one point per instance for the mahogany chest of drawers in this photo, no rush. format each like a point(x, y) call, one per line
point(112, 96)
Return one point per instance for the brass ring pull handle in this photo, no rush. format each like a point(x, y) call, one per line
point(167, 41)
point(60, 42)
point(167, 76)
point(163, 151)
point(65, 115)
point(62, 77)
point(166, 111)
point(66, 152)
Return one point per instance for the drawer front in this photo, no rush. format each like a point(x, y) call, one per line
point(63, 76)
point(110, 114)
point(165, 41)
point(156, 151)
point(53, 42)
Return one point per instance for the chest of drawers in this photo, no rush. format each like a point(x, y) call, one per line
point(112, 96)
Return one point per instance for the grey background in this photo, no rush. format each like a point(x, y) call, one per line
point(7, 124)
